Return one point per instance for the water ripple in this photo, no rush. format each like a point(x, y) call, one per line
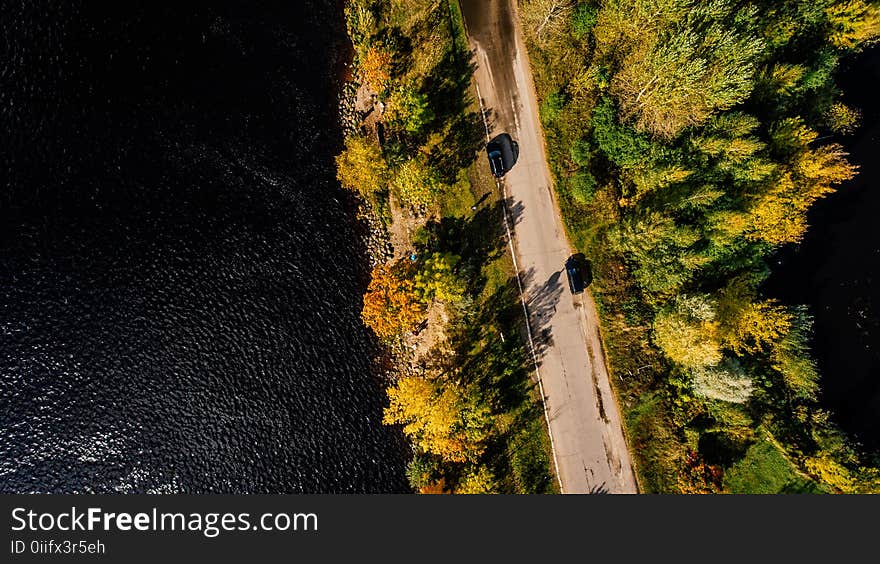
point(180, 278)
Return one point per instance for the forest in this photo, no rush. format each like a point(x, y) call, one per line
point(467, 404)
point(688, 140)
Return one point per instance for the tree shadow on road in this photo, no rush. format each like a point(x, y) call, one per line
point(541, 304)
point(600, 489)
point(515, 209)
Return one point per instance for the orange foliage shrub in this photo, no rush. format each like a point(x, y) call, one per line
point(376, 66)
point(391, 305)
point(436, 488)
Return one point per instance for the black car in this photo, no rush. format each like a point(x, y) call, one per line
point(578, 270)
point(496, 161)
point(503, 152)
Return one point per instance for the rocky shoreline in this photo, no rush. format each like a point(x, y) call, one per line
point(377, 239)
point(397, 359)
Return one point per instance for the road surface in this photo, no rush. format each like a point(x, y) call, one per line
point(589, 446)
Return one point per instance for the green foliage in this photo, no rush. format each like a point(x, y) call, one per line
point(662, 253)
point(530, 459)
point(654, 442)
point(583, 186)
point(437, 280)
point(478, 480)
point(792, 358)
point(821, 72)
point(765, 470)
point(423, 470)
point(623, 146)
point(360, 19)
point(581, 152)
point(410, 110)
point(415, 183)
point(699, 121)
point(583, 19)
point(652, 179)
point(701, 64)
point(625, 26)
point(552, 106)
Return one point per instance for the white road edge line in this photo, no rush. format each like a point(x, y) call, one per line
point(522, 299)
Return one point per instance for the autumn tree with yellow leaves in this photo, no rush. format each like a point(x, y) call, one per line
point(687, 331)
point(440, 419)
point(853, 24)
point(361, 166)
point(779, 213)
point(436, 279)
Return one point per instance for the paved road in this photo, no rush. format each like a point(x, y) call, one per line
point(590, 449)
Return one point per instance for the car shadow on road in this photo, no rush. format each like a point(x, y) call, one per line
point(541, 305)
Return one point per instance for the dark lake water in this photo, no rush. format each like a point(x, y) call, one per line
point(836, 271)
point(180, 275)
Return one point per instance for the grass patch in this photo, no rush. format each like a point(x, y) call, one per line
point(765, 470)
point(456, 200)
point(650, 435)
point(530, 457)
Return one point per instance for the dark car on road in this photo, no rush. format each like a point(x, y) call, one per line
point(496, 161)
point(503, 153)
point(578, 270)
